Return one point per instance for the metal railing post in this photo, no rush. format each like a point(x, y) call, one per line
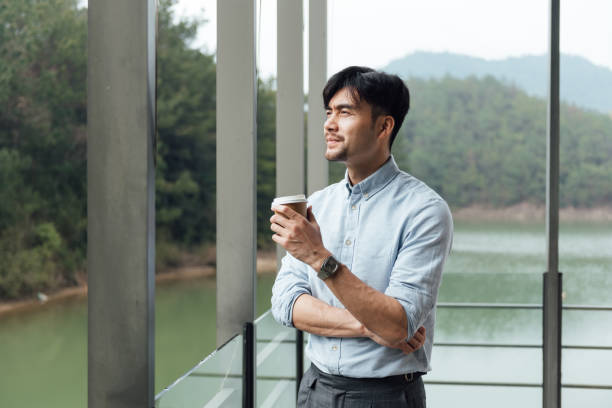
point(552, 303)
point(299, 359)
point(248, 365)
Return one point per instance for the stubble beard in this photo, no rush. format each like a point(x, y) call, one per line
point(336, 155)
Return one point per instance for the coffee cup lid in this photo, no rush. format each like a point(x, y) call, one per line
point(299, 198)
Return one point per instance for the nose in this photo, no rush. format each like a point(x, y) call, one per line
point(330, 124)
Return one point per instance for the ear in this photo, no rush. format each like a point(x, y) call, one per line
point(385, 126)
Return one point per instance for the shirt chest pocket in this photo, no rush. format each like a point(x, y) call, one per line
point(372, 262)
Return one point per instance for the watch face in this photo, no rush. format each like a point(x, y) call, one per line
point(329, 267)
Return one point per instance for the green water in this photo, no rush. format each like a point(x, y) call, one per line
point(43, 353)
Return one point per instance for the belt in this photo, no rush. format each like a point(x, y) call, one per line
point(400, 379)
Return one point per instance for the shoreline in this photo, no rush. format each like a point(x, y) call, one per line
point(266, 264)
point(266, 260)
point(527, 212)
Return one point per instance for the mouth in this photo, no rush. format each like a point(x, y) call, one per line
point(332, 141)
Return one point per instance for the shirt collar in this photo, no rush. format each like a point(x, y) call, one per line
point(375, 181)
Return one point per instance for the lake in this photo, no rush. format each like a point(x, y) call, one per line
point(43, 353)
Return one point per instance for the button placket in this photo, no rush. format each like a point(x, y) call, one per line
point(351, 227)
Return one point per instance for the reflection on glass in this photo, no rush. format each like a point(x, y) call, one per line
point(218, 378)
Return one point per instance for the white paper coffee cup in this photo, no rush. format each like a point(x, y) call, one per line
point(297, 202)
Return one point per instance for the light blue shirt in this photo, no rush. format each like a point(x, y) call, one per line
point(394, 233)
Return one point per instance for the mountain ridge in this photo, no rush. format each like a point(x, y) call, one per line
point(582, 83)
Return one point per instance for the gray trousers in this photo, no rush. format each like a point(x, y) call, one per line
point(321, 390)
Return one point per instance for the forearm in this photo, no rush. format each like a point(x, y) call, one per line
point(317, 317)
point(380, 313)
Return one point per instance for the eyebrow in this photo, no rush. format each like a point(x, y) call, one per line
point(342, 106)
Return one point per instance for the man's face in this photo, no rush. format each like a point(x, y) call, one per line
point(349, 129)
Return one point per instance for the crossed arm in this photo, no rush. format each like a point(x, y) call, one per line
point(317, 317)
point(382, 318)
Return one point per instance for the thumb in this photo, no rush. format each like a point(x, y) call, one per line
point(310, 216)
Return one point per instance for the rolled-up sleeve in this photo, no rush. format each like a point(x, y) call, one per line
point(417, 271)
point(290, 283)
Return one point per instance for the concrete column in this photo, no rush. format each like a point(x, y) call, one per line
point(121, 202)
point(290, 101)
point(318, 167)
point(236, 166)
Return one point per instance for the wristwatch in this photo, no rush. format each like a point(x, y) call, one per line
point(329, 267)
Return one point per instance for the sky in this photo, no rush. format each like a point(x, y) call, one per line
point(373, 33)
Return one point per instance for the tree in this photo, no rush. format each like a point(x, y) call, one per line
point(42, 144)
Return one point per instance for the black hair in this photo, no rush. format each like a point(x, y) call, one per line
point(387, 94)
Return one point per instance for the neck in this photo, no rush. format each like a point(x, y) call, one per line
point(358, 173)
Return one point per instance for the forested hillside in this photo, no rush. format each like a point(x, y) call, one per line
point(582, 82)
point(477, 141)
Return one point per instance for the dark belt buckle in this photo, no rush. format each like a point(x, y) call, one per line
point(409, 377)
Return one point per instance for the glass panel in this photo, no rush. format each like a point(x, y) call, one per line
point(185, 187)
point(509, 326)
point(276, 355)
point(215, 382)
point(578, 397)
point(268, 329)
point(587, 328)
point(585, 255)
point(475, 133)
point(275, 393)
point(43, 203)
point(473, 364)
point(440, 396)
point(587, 367)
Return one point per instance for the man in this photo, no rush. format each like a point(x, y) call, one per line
point(363, 269)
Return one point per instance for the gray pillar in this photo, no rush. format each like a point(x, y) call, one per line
point(236, 166)
point(552, 278)
point(289, 101)
point(318, 167)
point(121, 202)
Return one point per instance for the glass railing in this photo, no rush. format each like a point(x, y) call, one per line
point(486, 356)
point(217, 381)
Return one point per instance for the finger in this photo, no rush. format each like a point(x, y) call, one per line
point(279, 240)
point(278, 229)
point(287, 212)
point(310, 216)
point(407, 348)
point(419, 334)
point(420, 337)
point(280, 220)
point(415, 344)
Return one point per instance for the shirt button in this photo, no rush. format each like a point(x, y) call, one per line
point(347, 242)
point(353, 207)
point(334, 348)
point(365, 195)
